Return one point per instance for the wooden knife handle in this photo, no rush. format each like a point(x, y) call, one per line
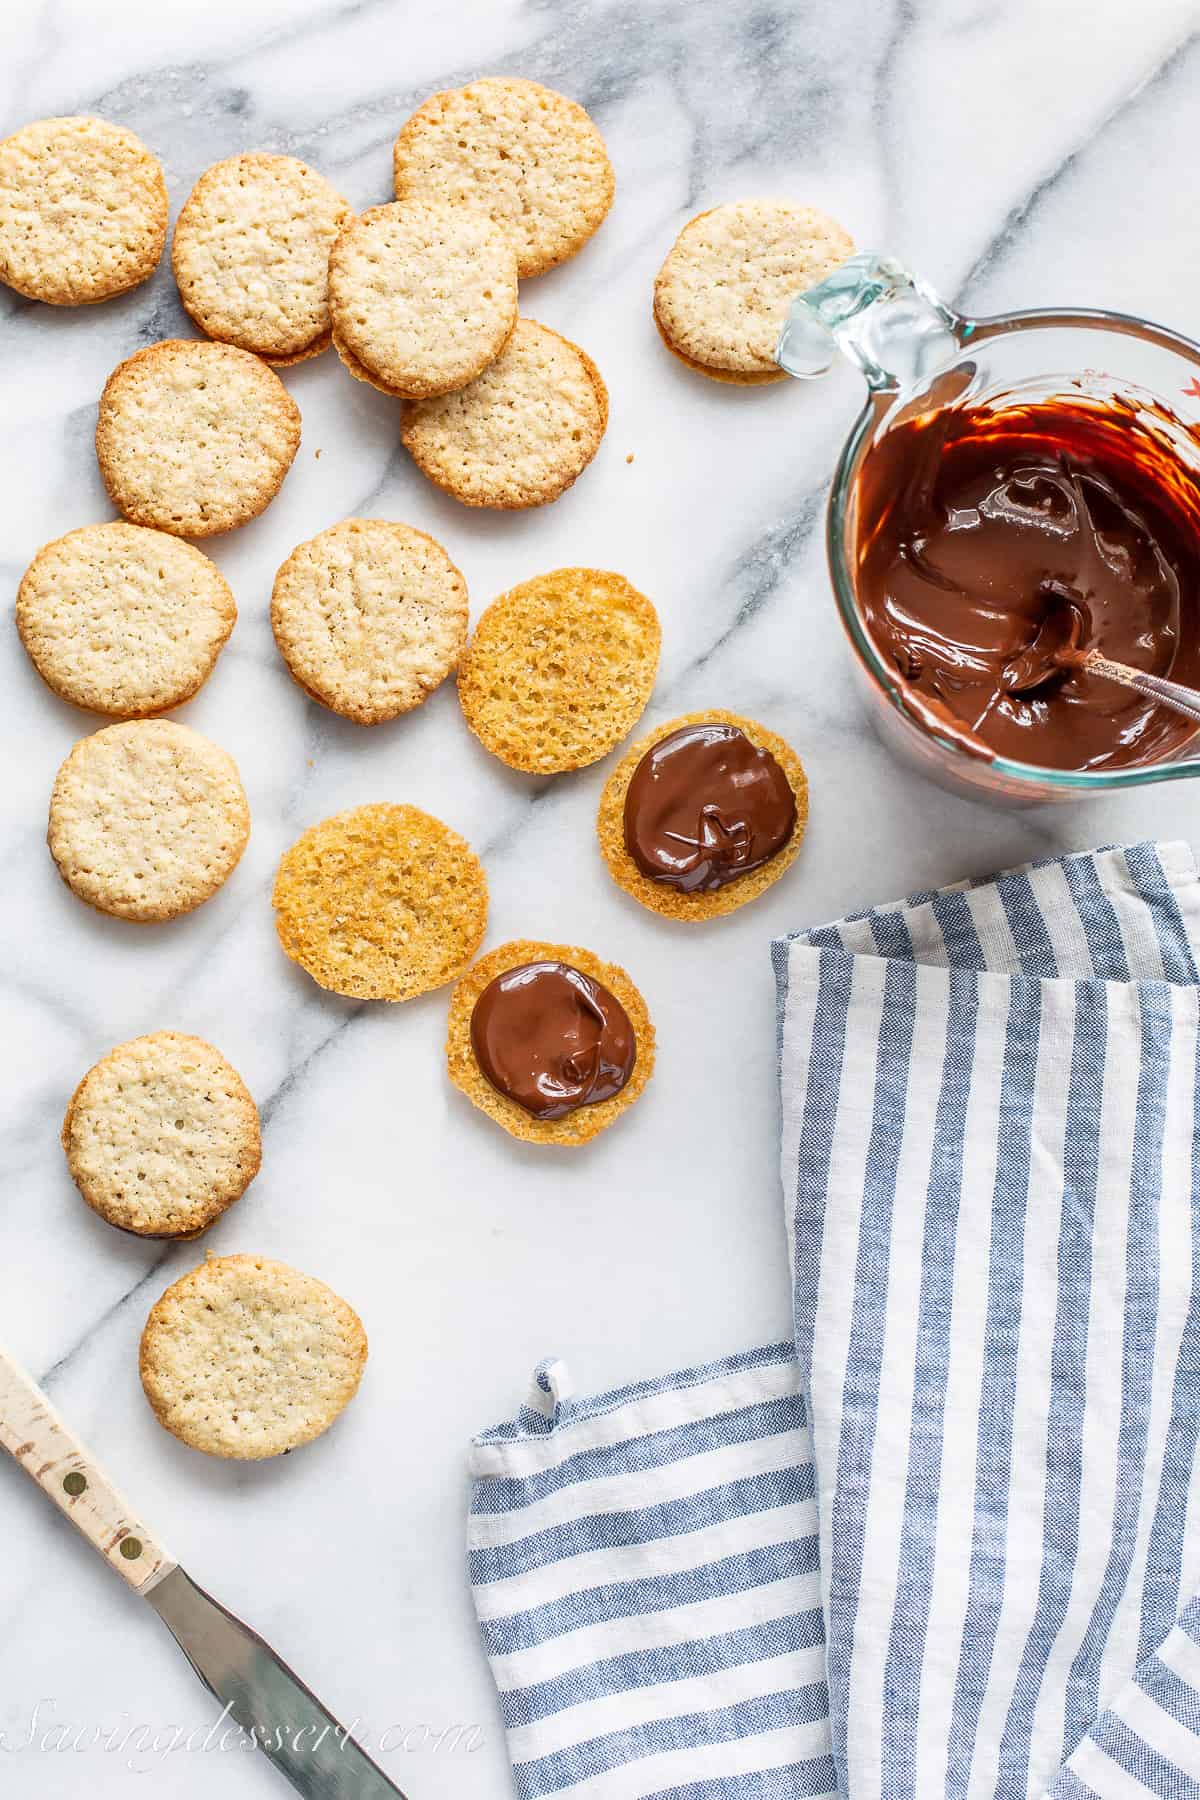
point(32, 1431)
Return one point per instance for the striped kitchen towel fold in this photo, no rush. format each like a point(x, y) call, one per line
point(992, 1184)
point(644, 1567)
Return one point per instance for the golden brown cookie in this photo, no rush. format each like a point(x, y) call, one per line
point(527, 157)
point(83, 211)
point(147, 819)
point(424, 296)
point(576, 1127)
point(722, 295)
point(161, 1136)
point(370, 617)
point(671, 902)
point(381, 903)
point(725, 375)
point(251, 254)
point(522, 432)
point(247, 1358)
point(123, 620)
point(194, 437)
point(559, 669)
point(318, 347)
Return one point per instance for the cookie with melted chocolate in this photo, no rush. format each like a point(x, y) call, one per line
point(549, 1041)
point(703, 815)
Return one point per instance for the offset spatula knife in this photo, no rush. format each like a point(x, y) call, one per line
point(288, 1722)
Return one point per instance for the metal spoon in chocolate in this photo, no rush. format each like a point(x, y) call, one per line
point(1057, 646)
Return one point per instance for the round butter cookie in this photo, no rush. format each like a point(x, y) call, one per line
point(717, 855)
point(559, 1042)
point(722, 295)
point(83, 211)
point(522, 432)
point(161, 1136)
point(424, 297)
point(559, 669)
point(251, 254)
point(381, 903)
point(528, 157)
point(147, 819)
point(247, 1358)
point(123, 620)
point(370, 617)
point(194, 437)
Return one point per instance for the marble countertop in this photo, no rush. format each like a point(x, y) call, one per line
point(1015, 155)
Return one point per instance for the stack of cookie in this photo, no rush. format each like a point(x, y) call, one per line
point(495, 182)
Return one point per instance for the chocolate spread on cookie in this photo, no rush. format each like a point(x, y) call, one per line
point(705, 805)
point(552, 1039)
point(999, 545)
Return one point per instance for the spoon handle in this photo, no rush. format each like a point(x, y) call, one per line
point(1170, 693)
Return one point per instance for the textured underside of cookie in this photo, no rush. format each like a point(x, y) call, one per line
point(370, 617)
point(194, 437)
point(585, 1122)
point(247, 1358)
point(83, 211)
point(147, 819)
point(559, 669)
point(251, 254)
point(161, 1135)
point(423, 296)
point(522, 432)
point(722, 295)
point(124, 620)
point(661, 897)
point(527, 156)
point(381, 903)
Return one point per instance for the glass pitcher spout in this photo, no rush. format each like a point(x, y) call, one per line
point(888, 322)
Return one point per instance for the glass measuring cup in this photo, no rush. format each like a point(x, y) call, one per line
point(918, 355)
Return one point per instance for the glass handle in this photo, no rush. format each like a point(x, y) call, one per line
point(887, 321)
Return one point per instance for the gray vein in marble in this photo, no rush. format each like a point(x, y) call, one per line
point(291, 1080)
point(887, 84)
point(758, 571)
point(110, 1313)
point(1024, 214)
point(778, 56)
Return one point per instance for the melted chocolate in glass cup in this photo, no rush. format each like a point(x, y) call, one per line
point(1000, 544)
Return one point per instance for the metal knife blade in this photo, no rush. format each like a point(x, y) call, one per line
point(288, 1722)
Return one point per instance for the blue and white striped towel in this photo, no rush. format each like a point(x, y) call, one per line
point(973, 1578)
